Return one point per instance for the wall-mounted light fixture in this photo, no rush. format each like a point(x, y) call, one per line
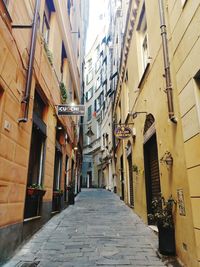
point(167, 158)
point(89, 132)
point(135, 114)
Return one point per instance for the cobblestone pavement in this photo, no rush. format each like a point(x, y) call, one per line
point(99, 230)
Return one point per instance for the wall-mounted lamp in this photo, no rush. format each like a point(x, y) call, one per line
point(167, 158)
point(59, 128)
point(135, 114)
point(66, 137)
point(75, 148)
point(89, 132)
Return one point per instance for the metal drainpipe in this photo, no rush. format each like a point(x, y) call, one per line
point(26, 97)
point(166, 63)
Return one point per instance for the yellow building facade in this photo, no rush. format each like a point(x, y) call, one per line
point(36, 145)
point(162, 155)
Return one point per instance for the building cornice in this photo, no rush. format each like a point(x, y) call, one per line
point(64, 23)
point(130, 23)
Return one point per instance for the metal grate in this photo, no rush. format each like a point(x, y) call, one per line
point(28, 264)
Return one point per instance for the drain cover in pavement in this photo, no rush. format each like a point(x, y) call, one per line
point(28, 264)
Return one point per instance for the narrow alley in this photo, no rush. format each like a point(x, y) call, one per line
point(99, 230)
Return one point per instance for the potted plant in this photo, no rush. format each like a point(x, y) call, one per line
point(35, 189)
point(135, 168)
point(49, 53)
point(57, 193)
point(163, 217)
point(70, 190)
point(63, 92)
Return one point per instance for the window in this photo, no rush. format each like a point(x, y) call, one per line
point(89, 94)
point(37, 150)
point(98, 64)
point(143, 41)
point(57, 169)
point(39, 106)
point(36, 158)
point(63, 56)
point(45, 29)
point(98, 83)
point(105, 88)
point(89, 77)
point(95, 105)
point(89, 63)
point(98, 128)
point(98, 103)
point(89, 113)
point(45, 24)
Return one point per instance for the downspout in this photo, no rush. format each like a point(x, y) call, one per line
point(166, 63)
point(26, 97)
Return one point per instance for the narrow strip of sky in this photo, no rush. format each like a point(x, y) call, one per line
point(95, 21)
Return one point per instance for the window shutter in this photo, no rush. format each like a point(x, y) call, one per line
point(95, 105)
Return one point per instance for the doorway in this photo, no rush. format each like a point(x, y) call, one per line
point(66, 178)
point(152, 175)
point(89, 179)
point(122, 177)
point(131, 191)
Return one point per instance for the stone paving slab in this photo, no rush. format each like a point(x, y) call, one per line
point(99, 230)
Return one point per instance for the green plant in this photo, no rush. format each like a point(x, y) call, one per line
point(71, 185)
point(49, 53)
point(135, 168)
point(36, 186)
point(58, 191)
point(162, 212)
point(63, 92)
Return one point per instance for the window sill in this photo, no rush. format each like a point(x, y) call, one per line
point(55, 212)
point(32, 219)
point(154, 228)
point(143, 75)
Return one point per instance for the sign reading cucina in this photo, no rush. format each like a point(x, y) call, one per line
point(71, 110)
point(123, 132)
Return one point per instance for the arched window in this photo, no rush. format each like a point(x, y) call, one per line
point(148, 123)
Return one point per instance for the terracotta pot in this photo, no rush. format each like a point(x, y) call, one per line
point(35, 191)
point(57, 193)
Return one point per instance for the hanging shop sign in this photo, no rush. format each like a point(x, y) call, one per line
point(68, 110)
point(123, 132)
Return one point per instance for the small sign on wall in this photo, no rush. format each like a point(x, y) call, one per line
point(70, 110)
point(122, 132)
point(181, 202)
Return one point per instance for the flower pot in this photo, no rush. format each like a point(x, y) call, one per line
point(35, 191)
point(166, 237)
point(30, 191)
point(57, 194)
point(71, 197)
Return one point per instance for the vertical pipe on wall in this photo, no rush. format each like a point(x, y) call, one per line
point(26, 97)
point(169, 89)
